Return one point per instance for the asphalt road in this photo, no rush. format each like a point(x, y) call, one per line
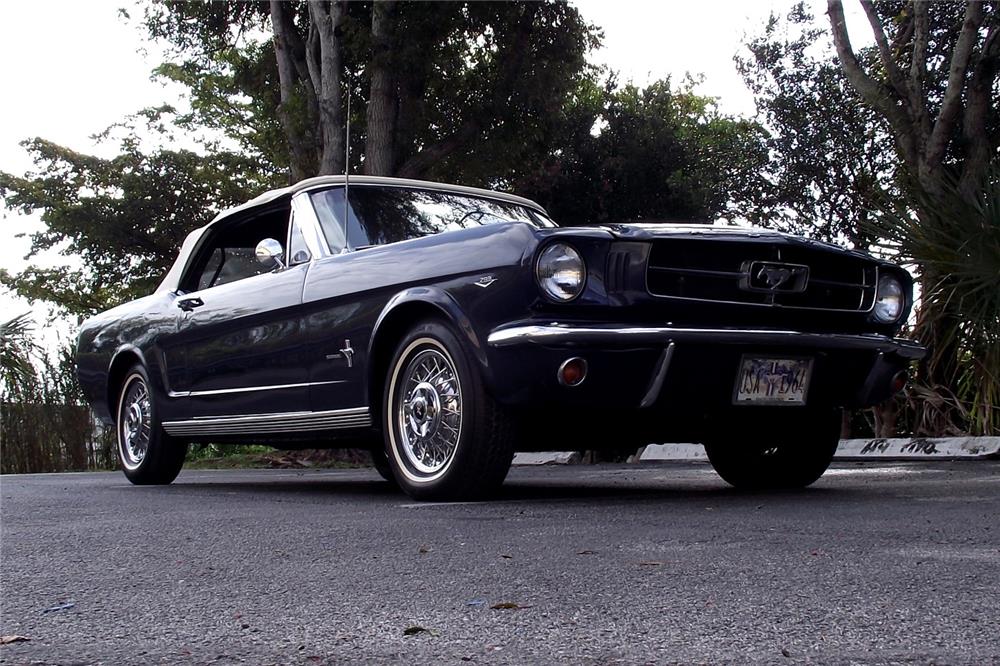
point(877, 563)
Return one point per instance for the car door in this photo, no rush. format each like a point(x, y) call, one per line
point(243, 341)
point(339, 311)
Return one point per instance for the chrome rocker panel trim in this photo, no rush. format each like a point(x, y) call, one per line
point(612, 334)
point(260, 424)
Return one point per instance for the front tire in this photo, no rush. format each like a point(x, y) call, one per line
point(148, 455)
point(752, 458)
point(445, 437)
point(381, 463)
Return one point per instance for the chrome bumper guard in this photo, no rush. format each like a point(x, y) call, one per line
point(555, 334)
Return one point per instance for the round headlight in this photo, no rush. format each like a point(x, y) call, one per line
point(888, 300)
point(560, 272)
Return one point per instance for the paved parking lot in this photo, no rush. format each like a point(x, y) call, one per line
point(662, 563)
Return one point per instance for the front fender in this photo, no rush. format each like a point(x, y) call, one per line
point(127, 350)
point(426, 298)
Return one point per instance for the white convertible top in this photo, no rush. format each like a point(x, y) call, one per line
point(173, 276)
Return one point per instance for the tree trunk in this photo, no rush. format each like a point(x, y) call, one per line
point(302, 162)
point(325, 70)
point(922, 142)
point(380, 144)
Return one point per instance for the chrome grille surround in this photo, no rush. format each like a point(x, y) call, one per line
point(718, 271)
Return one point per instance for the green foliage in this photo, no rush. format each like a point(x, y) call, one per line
point(44, 425)
point(17, 348)
point(234, 96)
point(121, 218)
point(849, 167)
point(465, 72)
point(831, 155)
point(955, 242)
point(450, 84)
point(658, 153)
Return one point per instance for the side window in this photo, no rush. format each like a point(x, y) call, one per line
point(212, 269)
point(233, 264)
point(297, 251)
point(329, 207)
point(231, 251)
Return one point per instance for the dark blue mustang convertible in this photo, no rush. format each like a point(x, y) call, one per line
point(445, 328)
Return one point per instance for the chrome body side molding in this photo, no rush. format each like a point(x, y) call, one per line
point(247, 389)
point(282, 422)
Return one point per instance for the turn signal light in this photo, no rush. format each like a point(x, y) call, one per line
point(572, 372)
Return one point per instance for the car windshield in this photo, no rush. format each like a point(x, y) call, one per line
point(379, 215)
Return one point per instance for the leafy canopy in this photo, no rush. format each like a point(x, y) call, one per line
point(120, 219)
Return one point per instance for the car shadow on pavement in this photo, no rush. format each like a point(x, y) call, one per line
point(661, 493)
point(593, 485)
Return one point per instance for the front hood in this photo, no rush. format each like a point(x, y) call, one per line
point(649, 232)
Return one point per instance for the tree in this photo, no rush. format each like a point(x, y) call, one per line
point(658, 153)
point(935, 85)
point(495, 71)
point(122, 219)
point(831, 163)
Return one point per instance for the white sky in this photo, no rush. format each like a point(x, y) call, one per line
point(89, 72)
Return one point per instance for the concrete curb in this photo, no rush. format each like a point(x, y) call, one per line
point(548, 458)
point(903, 448)
point(919, 448)
point(658, 452)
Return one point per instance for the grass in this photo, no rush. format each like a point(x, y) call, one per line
point(262, 457)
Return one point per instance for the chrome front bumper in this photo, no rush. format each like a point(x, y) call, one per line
point(614, 335)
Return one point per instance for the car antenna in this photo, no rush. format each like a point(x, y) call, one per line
point(347, 165)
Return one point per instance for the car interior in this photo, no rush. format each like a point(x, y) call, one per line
point(229, 254)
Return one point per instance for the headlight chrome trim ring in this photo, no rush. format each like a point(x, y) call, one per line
point(555, 267)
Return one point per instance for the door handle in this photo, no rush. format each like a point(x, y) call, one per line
point(189, 304)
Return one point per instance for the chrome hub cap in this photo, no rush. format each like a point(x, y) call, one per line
point(135, 417)
point(429, 411)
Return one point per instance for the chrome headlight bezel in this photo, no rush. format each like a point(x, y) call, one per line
point(560, 272)
point(890, 300)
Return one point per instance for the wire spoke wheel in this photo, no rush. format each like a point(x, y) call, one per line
point(135, 423)
point(429, 411)
point(445, 438)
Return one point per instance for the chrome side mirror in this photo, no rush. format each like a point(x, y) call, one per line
point(270, 252)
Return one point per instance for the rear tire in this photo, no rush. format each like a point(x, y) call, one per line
point(445, 437)
point(147, 454)
point(750, 459)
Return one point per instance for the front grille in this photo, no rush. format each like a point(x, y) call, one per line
point(719, 270)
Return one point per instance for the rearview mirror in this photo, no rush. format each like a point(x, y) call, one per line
point(270, 252)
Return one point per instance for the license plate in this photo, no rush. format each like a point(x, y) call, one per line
point(772, 381)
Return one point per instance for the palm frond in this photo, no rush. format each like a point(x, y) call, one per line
point(17, 349)
point(953, 237)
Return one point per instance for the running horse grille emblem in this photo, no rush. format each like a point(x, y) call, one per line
point(774, 277)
